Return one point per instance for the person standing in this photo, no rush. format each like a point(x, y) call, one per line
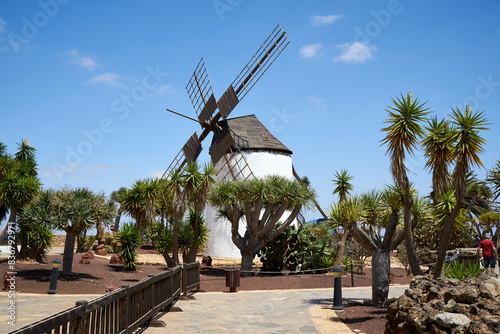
point(489, 252)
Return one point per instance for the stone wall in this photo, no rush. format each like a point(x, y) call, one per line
point(447, 306)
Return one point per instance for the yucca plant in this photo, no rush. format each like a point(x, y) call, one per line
point(327, 261)
point(461, 270)
point(347, 262)
point(129, 238)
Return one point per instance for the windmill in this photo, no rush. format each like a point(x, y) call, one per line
point(233, 139)
point(209, 110)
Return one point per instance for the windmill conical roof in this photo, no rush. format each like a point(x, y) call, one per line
point(250, 134)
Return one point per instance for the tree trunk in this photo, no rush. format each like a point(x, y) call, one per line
point(12, 224)
point(117, 219)
point(23, 253)
point(191, 256)
point(341, 248)
point(445, 241)
point(410, 248)
point(168, 260)
point(246, 263)
point(175, 240)
point(381, 266)
point(69, 248)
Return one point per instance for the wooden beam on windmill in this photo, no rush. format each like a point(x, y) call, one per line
point(189, 152)
point(260, 62)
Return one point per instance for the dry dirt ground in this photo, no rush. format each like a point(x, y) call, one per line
point(94, 277)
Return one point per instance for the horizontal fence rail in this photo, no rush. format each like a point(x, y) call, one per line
point(122, 310)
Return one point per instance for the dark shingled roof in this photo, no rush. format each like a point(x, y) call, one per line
point(249, 134)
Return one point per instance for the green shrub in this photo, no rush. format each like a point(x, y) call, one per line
point(129, 238)
point(461, 270)
point(327, 261)
point(109, 248)
point(38, 239)
point(295, 248)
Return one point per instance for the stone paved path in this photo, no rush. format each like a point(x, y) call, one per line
point(277, 311)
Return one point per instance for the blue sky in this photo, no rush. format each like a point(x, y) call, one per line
point(88, 82)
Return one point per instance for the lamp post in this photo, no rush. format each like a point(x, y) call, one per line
point(53, 280)
point(337, 289)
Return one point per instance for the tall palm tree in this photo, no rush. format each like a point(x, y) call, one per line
point(117, 197)
point(196, 186)
point(438, 145)
point(176, 189)
point(468, 147)
point(19, 183)
point(343, 187)
point(402, 137)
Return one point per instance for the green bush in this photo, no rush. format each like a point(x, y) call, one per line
point(38, 239)
point(327, 261)
point(294, 249)
point(129, 238)
point(461, 270)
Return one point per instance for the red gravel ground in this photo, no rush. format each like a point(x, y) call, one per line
point(94, 277)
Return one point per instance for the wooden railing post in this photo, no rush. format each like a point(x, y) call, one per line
point(124, 309)
point(151, 293)
point(184, 279)
point(81, 324)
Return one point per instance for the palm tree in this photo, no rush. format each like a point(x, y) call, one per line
point(380, 211)
point(438, 145)
point(468, 146)
point(19, 183)
point(117, 197)
point(104, 208)
point(343, 187)
point(176, 189)
point(190, 238)
point(78, 210)
point(196, 187)
point(36, 220)
point(402, 136)
point(262, 203)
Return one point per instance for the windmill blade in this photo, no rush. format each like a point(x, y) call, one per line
point(200, 92)
point(220, 145)
point(189, 152)
point(253, 70)
point(235, 167)
point(260, 62)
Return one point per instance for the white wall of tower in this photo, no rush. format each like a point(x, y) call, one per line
point(262, 163)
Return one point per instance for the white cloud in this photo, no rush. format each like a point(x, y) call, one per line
point(87, 62)
point(355, 52)
point(156, 173)
point(310, 50)
point(98, 167)
point(108, 78)
point(320, 20)
point(3, 26)
point(316, 102)
point(163, 89)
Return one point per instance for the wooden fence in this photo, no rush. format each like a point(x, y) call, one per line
point(122, 310)
point(190, 277)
